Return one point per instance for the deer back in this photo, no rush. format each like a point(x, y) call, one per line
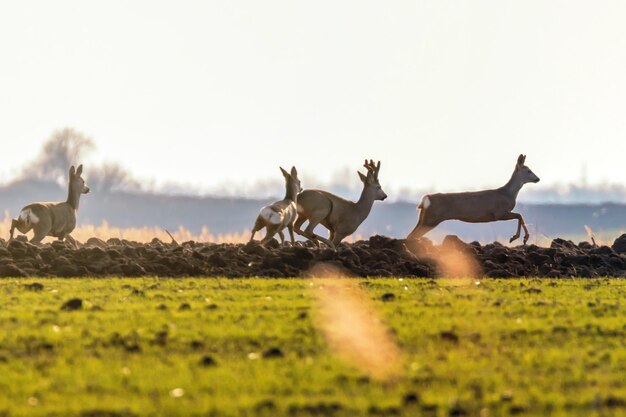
point(61, 217)
point(336, 212)
point(474, 206)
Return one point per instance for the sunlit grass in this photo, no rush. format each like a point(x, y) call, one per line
point(254, 347)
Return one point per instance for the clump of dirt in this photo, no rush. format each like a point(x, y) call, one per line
point(378, 256)
point(72, 304)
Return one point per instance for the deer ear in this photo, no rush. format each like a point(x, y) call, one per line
point(363, 177)
point(294, 173)
point(72, 171)
point(285, 173)
point(520, 160)
point(79, 170)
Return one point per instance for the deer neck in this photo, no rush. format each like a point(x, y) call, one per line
point(514, 185)
point(292, 192)
point(73, 197)
point(365, 203)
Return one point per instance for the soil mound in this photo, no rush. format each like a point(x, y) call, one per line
point(377, 256)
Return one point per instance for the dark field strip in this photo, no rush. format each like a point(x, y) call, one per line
point(248, 347)
point(378, 256)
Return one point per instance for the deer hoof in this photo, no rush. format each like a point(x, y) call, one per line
point(513, 239)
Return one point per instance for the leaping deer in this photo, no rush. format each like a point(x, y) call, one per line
point(340, 216)
point(53, 219)
point(476, 207)
point(280, 214)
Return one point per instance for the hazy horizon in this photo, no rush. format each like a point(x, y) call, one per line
point(211, 95)
point(69, 146)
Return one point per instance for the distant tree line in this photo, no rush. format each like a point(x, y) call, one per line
point(68, 146)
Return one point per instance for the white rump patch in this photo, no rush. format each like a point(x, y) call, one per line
point(425, 202)
point(270, 216)
point(28, 217)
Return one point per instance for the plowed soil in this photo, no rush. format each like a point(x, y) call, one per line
point(378, 256)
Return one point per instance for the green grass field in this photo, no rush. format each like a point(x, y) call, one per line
point(169, 347)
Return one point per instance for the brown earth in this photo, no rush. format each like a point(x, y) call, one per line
point(378, 256)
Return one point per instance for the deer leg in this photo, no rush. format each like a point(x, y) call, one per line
point(526, 234)
point(40, 229)
point(38, 237)
point(258, 225)
point(337, 238)
point(423, 226)
point(419, 231)
point(282, 237)
point(520, 224)
point(21, 227)
point(328, 242)
point(293, 239)
point(270, 231)
point(308, 232)
point(14, 224)
point(297, 226)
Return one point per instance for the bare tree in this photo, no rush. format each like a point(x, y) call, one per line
point(64, 148)
point(112, 177)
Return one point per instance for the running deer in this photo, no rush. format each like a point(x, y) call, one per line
point(476, 207)
point(53, 219)
point(280, 214)
point(341, 217)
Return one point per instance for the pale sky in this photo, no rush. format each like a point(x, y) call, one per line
point(445, 93)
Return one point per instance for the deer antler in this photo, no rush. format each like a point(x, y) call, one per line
point(372, 169)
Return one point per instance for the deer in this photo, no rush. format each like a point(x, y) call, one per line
point(280, 214)
point(53, 219)
point(340, 216)
point(478, 206)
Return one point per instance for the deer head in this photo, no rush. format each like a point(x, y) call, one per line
point(77, 186)
point(523, 172)
point(77, 183)
point(370, 181)
point(292, 181)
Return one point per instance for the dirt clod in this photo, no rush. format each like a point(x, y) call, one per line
point(273, 353)
point(34, 286)
point(72, 304)
point(208, 361)
point(387, 297)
